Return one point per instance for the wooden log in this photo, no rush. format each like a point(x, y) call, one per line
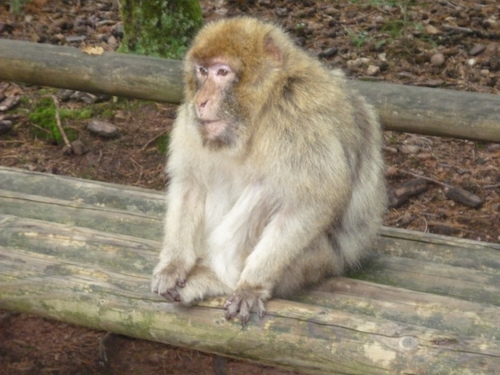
point(424, 303)
point(401, 108)
point(131, 76)
point(101, 280)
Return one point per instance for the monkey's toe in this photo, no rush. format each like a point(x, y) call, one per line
point(242, 302)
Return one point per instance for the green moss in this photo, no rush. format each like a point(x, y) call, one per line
point(160, 28)
point(44, 117)
point(162, 144)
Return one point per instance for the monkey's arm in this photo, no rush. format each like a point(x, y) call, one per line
point(177, 257)
point(185, 210)
point(286, 237)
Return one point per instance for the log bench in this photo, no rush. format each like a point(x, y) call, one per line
point(82, 252)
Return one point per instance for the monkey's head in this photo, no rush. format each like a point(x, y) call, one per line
point(231, 71)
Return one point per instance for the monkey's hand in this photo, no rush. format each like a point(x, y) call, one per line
point(167, 277)
point(243, 300)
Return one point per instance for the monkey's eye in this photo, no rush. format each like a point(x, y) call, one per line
point(222, 72)
point(203, 71)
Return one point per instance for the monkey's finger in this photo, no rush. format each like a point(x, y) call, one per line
point(244, 313)
point(232, 306)
point(174, 294)
point(261, 308)
point(181, 283)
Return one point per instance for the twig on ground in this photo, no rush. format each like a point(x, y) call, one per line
point(58, 123)
point(154, 139)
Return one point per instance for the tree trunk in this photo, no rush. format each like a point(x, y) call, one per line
point(161, 28)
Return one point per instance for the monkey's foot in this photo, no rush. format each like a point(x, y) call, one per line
point(167, 277)
point(243, 301)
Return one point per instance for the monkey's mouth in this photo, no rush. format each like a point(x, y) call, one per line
point(213, 128)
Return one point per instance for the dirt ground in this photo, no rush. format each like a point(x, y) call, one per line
point(448, 44)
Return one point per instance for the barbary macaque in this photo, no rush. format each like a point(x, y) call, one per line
point(276, 172)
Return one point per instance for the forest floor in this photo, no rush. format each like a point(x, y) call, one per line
point(444, 44)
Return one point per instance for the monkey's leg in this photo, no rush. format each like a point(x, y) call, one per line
point(201, 282)
point(320, 260)
point(178, 256)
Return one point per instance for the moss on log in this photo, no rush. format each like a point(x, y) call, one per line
point(424, 304)
point(161, 28)
point(401, 108)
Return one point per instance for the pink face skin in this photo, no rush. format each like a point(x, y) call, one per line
point(213, 103)
point(214, 81)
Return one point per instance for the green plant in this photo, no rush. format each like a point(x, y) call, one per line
point(162, 143)
point(43, 117)
point(358, 39)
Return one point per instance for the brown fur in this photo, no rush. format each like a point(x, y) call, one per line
point(297, 195)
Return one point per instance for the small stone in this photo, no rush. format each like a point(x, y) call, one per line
point(438, 59)
point(118, 30)
point(329, 52)
point(477, 49)
point(113, 43)
point(471, 62)
point(5, 126)
point(372, 70)
point(281, 12)
point(331, 11)
point(9, 103)
point(493, 147)
point(392, 150)
point(429, 29)
point(65, 94)
point(103, 129)
point(357, 62)
point(75, 38)
point(409, 149)
point(78, 147)
point(424, 156)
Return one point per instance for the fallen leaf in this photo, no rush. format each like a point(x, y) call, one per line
point(93, 50)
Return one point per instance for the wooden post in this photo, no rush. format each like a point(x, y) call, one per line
point(401, 108)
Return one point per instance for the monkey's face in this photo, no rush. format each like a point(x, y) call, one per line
point(231, 74)
point(215, 105)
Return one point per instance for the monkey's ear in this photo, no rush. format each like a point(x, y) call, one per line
point(272, 49)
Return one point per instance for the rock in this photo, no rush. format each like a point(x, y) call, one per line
point(113, 43)
point(75, 38)
point(471, 62)
point(118, 30)
point(477, 49)
point(89, 98)
point(281, 12)
point(329, 52)
point(438, 59)
point(493, 147)
point(9, 103)
point(5, 126)
point(331, 11)
point(429, 29)
point(409, 149)
point(78, 147)
point(357, 62)
point(372, 70)
point(103, 129)
point(64, 94)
